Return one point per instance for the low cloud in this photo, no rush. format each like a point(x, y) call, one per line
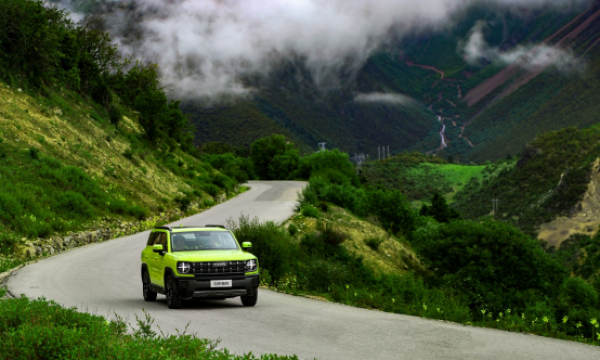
point(532, 57)
point(387, 98)
point(206, 48)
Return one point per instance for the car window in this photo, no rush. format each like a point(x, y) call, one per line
point(161, 239)
point(151, 238)
point(203, 240)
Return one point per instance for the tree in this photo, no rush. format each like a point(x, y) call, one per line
point(439, 210)
point(495, 264)
point(263, 151)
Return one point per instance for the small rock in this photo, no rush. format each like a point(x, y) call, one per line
point(58, 111)
point(19, 90)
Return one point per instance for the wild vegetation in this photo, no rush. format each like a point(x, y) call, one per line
point(485, 272)
point(548, 179)
point(418, 176)
point(87, 138)
point(41, 329)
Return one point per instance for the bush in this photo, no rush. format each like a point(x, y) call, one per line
point(373, 242)
point(271, 245)
point(310, 211)
point(493, 263)
point(323, 206)
point(34, 153)
point(183, 202)
point(330, 234)
point(115, 115)
point(75, 204)
point(292, 229)
point(577, 293)
point(210, 189)
point(138, 212)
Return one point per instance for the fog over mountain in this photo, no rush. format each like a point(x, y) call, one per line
point(205, 48)
point(530, 57)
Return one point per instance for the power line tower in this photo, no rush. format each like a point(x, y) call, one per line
point(359, 160)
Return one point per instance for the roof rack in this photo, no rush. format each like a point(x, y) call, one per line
point(164, 228)
point(215, 226)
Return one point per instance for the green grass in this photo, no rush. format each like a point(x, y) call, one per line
point(419, 176)
point(41, 329)
point(454, 176)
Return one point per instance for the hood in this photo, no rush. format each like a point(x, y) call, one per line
point(212, 255)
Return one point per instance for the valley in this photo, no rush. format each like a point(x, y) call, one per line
point(482, 212)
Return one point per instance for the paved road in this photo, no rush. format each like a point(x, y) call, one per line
point(104, 278)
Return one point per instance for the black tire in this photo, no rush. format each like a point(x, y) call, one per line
point(173, 299)
point(149, 295)
point(250, 300)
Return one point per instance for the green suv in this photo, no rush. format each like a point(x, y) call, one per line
point(198, 262)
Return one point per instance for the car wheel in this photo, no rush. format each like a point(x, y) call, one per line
point(250, 300)
point(149, 295)
point(173, 299)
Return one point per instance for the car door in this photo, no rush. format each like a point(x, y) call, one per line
point(147, 254)
point(158, 260)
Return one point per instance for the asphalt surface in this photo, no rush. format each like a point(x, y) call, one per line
point(104, 279)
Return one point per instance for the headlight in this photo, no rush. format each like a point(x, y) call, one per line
point(251, 265)
point(184, 267)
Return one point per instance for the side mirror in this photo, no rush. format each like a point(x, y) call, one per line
point(247, 246)
point(158, 248)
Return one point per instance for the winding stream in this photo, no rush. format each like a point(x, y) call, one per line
point(443, 143)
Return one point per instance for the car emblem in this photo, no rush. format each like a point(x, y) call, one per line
point(219, 264)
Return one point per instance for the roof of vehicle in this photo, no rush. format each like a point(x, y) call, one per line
point(197, 227)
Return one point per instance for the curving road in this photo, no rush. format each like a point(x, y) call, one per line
point(104, 279)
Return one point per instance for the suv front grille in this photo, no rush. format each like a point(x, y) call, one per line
point(216, 267)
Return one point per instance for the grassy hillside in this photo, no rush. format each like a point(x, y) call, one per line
point(66, 168)
point(419, 176)
point(87, 138)
point(549, 178)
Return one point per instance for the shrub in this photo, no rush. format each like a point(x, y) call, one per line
point(577, 293)
point(271, 245)
point(183, 202)
point(292, 229)
point(34, 153)
point(373, 242)
point(330, 234)
point(7, 242)
point(128, 154)
point(75, 204)
point(138, 212)
point(493, 263)
point(210, 189)
point(310, 211)
point(323, 206)
point(114, 115)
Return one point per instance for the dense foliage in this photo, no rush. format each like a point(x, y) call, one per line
point(496, 265)
point(390, 207)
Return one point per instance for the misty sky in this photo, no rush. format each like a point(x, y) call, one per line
point(204, 47)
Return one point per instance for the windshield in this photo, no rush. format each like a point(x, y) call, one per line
point(203, 240)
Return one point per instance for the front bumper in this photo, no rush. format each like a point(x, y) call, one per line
point(199, 286)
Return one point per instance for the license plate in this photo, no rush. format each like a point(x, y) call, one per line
point(220, 283)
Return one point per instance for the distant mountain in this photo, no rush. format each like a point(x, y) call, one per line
point(488, 109)
point(485, 108)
